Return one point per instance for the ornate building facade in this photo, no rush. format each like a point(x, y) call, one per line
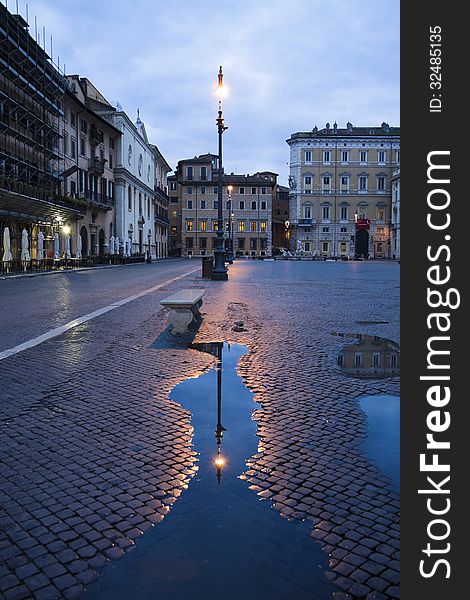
point(341, 190)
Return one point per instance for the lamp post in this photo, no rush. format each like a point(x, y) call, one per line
point(230, 225)
point(219, 462)
point(219, 271)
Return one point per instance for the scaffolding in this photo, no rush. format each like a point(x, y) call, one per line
point(31, 93)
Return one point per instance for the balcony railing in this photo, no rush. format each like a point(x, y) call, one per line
point(96, 165)
point(97, 198)
point(161, 219)
point(306, 222)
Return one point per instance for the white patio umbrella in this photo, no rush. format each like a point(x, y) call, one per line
point(111, 244)
point(6, 245)
point(40, 245)
point(79, 246)
point(116, 245)
point(56, 246)
point(68, 253)
point(25, 256)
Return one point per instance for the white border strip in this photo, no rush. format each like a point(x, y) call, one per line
point(97, 313)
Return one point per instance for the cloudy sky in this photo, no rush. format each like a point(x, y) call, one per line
point(288, 65)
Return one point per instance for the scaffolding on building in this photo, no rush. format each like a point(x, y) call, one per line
point(32, 157)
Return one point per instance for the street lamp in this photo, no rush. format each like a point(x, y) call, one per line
point(230, 225)
point(219, 271)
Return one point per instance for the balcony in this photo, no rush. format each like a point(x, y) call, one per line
point(96, 165)
point(362, 224)
point(306, 222)
point(99, 199)
point(96, 136)
point(162, 193)
point(162, 220)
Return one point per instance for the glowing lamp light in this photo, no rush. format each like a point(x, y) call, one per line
point(66, 229)
point(219, 462)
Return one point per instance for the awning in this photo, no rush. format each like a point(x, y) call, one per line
point(27, 208)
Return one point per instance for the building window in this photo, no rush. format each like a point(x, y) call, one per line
point(397, 156)
point(343, 229)
point(111, 161)
point(215, 205)
point(381, 157)
point(189, 190)
point(380, 214)
point(189, 242)
point(253, 243)
point(381, 183)
point(363, 156)
point(344, 156)
point(241, 243)
point(73, 120)
point(263, 226)
point(140, 203)
point(326, 182)
point(393, 360)
point(325, 212)
point(363, 183)
point(190, 204)
point(111, 143)
point(362, 212)
point(73, 147)
point(83, 126)
point(148, 208)
point(203, 204)
point(189, 225)
point(325, 229)
point(82, 146)
point(263, 190)
point(241, 226)
point(129, 198)
point(358, 359)
point(203, 243)
point(253, 191)
point(263, 205)
point(308, 180)
point(216, 190)
point(307, 211)
point(203, 173)
point(173, 186)
point(242, 204)
point(343, 213)
point(308, 156)
point(189, 173)
point(253, 226)
point(325, 246)
point(203, 225)
point(253, 205)
point(242, 190)
point(203, 190)
point(326, 156)
point(215, 225)
point(342, 247)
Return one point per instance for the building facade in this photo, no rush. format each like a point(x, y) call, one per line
point(281, 224)
point(341, 190)
point(162, 201)
point(89, 145)
point(32, 161)
point(395, 225)
point(247, 209)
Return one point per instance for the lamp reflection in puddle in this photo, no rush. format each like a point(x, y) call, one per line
point(219, 462)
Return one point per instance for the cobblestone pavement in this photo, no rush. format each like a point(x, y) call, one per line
point(94, 453)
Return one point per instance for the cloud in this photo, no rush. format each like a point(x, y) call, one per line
point(288, 66)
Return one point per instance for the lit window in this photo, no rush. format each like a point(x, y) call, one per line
point(203, 225)
point(263, 226)
point(189, 225)
point(241, 226)
point(253, 226)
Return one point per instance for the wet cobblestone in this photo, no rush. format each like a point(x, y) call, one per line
point(95, 453)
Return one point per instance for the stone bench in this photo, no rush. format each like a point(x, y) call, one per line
point(184, 306)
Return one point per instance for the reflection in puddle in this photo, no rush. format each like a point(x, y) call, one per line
point(369, 356)
point(219, 539)
point(382, 445)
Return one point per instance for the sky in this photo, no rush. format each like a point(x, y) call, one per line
point(288, 65)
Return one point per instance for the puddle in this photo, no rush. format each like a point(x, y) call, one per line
point(220, 539)
point(382, 445)
point(369, 356)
